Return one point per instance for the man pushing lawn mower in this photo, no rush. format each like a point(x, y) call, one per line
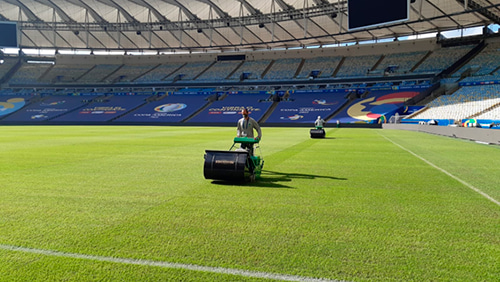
point(237, 164)
point(245, 128)
point(318, 132)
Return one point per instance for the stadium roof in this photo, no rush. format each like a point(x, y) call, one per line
point(219, 25)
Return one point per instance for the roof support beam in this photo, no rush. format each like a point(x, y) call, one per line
point(194, 19)
point(442, 12)
point(307, 22)
point(474, 5)
point(216, 8)
point(31, 16)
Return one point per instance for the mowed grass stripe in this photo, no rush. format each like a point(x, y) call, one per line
point(348, 207)
point(474, 163)
point(447, 173)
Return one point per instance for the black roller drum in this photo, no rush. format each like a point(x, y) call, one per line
point(226, 165)
point(317, 133)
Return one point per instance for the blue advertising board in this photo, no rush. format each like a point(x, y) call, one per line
point(103, 109)
point(173, 108)
point(377, 105)
point(47, 108)
point(11, 104)
point(306, 107)
point(228, 110)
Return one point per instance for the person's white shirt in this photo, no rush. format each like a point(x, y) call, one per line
point(246, 128)
point(319, 122)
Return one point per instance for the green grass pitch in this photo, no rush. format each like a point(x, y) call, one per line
point(359, 205)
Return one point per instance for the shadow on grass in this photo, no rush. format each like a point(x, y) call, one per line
point(262, 182)
point(290, 176)
point(274, 179)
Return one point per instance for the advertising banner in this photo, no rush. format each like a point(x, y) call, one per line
point(11, 104)
point(103, 109)
point(476, 83)
point(47, 108)
point(377, 105)
point(229, 109)
point(169, 109)
point(305, 108)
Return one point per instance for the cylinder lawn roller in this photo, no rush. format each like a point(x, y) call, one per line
point(239, 164)
point(318, 132)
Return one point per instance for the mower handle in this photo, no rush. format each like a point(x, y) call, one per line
point(248, 140)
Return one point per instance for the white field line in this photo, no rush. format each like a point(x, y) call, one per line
point(164, 264)
point(447, 173)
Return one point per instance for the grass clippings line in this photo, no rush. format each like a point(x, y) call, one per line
point(446, 172)
point(164, 264)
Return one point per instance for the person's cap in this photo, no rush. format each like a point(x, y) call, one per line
point(244, 111)
point(319, 116)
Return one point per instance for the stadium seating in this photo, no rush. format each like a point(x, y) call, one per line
point(404, 61)
point(440, 59)
point(482, 78)
point(29, 74)
point(190, 71)
point(98, 73)
point(128, 73)
point(64, 73)
point(254, 68)
point(6, 66)
point(326, 66)
point(464, 103)
point(283, 69)
point(357, 66)
point(484, 63)
point(449, 80)
point(492, 114)
point(159, 73)
point(220, 70)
